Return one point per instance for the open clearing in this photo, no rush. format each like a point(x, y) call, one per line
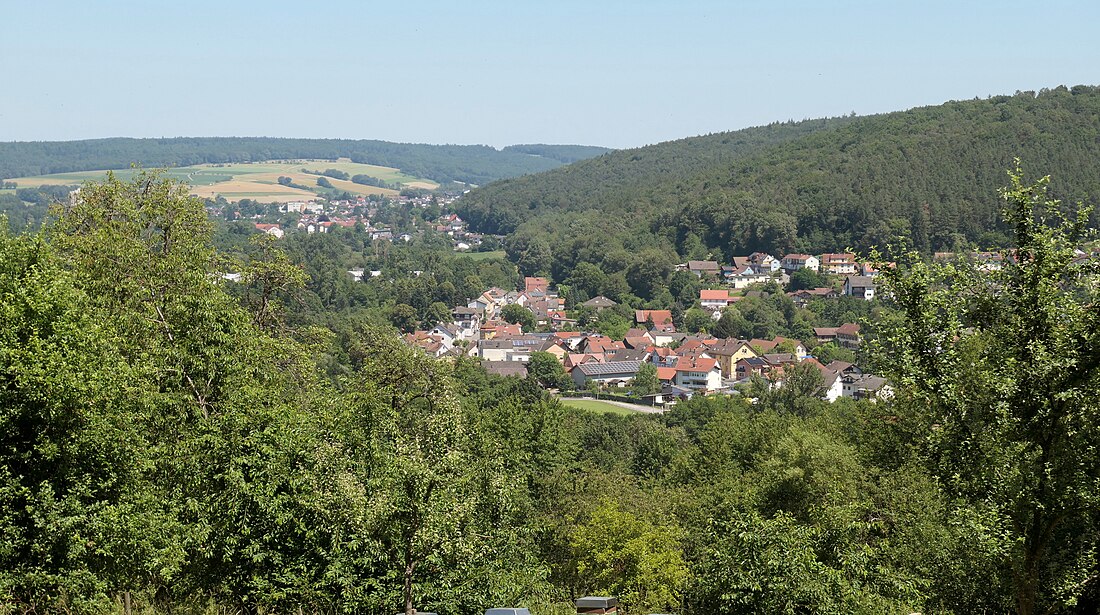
point(484, 256)
point(592, 405)
point(258, 181)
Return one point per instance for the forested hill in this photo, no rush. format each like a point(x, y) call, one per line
point(473, 164)
point(562, 153)
point(931, 173)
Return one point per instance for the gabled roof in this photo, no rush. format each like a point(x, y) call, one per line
point(714, 295)
point(763, 345)
point(780, 339)
point(702, 266)
point(780, 358)
point(505, 368)
point(727, 347)
point(599, 302)
point(696, 364)
point(659, 317)
point(666, 373)
point(859, 281)
point(848, 329)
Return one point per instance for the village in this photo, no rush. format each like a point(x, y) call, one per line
point(685, 364)
point(363, 214)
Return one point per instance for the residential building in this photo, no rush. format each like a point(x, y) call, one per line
point(847, 335)
point(698, 373)
point(714, 299)
point(862, 287)
point(794, 262)
point(839, 264)
point(615, 373)
point(704, 269)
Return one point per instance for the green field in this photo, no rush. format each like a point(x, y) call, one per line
point(257, 181)
point(592, 405)
point(483, 256)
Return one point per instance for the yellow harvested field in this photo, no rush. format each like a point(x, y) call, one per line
point(237, 189)
point(259, 181)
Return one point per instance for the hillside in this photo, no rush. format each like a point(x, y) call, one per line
point(816, 186)
point(472, 164)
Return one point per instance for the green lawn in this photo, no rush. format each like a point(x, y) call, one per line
point(481, 256)
point(593, 405)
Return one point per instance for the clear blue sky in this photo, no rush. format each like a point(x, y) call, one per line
point(619, 74)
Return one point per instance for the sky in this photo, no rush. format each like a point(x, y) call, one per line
point(611, 73)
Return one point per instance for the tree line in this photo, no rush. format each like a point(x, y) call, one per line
point(469, 164)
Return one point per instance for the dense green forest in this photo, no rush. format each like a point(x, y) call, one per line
point(929, 174)
point(471, 164)
point(170, 442)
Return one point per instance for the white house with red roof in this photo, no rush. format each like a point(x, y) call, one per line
point(714, 299)
point(839, 264)
point(698, 373)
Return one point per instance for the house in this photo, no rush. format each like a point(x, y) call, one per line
point(743, 276)
point(832, 385)
point(556, 348)
point(433, 345)
point(762, 346)
point(866, 386)
point(505, 368)
point(847, 335)
point(614, 373)
point(468, 320)
point(270, 229)
point(448, 332)
point(571, 339)
point(531, 284)
point(599, 344)
point(661, 319)
point(495, 349)
point(714, 299)
point(599, 303)
point(799, 347)
point(859, 286)
point(728, 352)
point(698, 373)
point(704, 269)
point(824, 335)
point(751, 366)
point(763, 262)
point(803, 297)
point(794, 262)
point(839, 264)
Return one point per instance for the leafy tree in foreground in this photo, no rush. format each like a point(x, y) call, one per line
point(1005, 370)
point(518, 315)
point(545, 369)
point(646, 381)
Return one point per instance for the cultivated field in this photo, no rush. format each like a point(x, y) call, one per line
point(257, 181)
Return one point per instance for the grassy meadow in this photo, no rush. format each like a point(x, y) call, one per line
point(257, 181)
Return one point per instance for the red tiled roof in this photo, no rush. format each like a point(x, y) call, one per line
point(848, 329)
point(659, 317)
